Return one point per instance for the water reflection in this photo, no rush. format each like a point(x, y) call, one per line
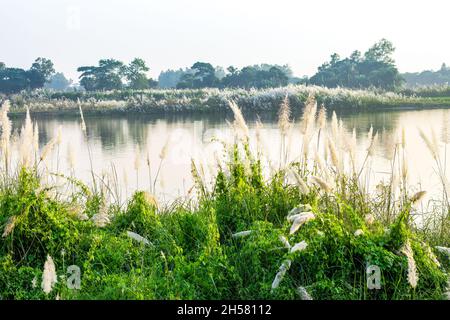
point(114, 141)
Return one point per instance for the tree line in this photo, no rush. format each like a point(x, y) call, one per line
point(374, 68)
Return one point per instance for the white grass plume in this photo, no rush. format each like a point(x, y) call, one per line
point(300, 220)
point(138, 238)
point(242, 234)
point(280, 275)
point(304, 295)
point(413, 277)
point(299, 246)
point(49, 277)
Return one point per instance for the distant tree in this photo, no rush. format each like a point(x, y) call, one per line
point(2, 66)
point(58, 82)
point(428, 77)
point(13, 80)
point(203, 76)
point(135, 73)
point(257, 76)
point(40, 72)
point(219, 73)
point(107, 76)
point(376, 68)
point(170, 78)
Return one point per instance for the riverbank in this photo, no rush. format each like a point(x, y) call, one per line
point(308, 229)
point(215, 100)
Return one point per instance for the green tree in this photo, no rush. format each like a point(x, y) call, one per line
point(40, 72)
point(135, 74)
point(107, 76)
point(58, 82)
point(376, 68)
point(203, 76)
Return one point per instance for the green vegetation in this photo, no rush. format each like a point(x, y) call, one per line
point(375, 69)
point(309, 229)
point(216, 100)
point(14, 80)
point(428, 78)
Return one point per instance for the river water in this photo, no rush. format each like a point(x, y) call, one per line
point(116, 142)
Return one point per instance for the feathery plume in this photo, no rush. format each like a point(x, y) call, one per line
point(430, 145)
point(321, 183)
point(138, 238)
point(49, 277)
point(83, 124)
point(412, 270)
point(281, 272)
point(47, 149)
point(10, 224)
point(304, 295)
point(299, 247)
point(322, 118)
point(239, 123)
point(285, 242)
point(300, 220)
point(242, 234)
point(418, 197)
point(101, 219)
point(283, 116)
point(71, 158)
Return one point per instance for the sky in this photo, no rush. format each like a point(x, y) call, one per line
point(177, 33)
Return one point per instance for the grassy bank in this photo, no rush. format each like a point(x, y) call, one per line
point(214, 100)
point(307, 229)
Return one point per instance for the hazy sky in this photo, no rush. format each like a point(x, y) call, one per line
point(177, 33)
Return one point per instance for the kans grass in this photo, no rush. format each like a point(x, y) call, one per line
point(306, 228)
point(215, 100)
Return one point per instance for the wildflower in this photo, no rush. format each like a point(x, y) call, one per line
point(358, 233)
point(300, 220)
point(299, 246)
point(49, 277)
point(281, 272)
point(412, 270)
point(138, 238)
point(242, 234)
point(10, 224)
point(304, 295)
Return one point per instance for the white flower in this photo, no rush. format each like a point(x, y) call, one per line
point(299, 246)
point(301, 219)
point(358, 233)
